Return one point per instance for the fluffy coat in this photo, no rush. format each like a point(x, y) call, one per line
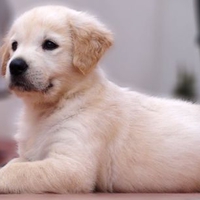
point(85, 133)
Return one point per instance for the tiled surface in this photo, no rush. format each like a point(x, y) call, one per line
point(103, 197)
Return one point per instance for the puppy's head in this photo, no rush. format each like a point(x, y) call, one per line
point(51, 48)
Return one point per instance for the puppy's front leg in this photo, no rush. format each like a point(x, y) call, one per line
point(50, 175)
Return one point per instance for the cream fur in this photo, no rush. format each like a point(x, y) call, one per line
point(86, 133)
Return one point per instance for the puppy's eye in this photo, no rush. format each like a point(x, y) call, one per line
point(49, 45)
point(14, 46)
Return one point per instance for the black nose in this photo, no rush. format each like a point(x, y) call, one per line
point(18, 67)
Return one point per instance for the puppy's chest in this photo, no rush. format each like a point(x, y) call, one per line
point(35, 139)
point(31, 143)
point(37, 134)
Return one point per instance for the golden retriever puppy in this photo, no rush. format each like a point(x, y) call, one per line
point(78, 132)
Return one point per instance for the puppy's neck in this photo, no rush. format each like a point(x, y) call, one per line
point(44, 106)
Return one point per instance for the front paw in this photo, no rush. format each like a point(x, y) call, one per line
point(7, 180)
point(3, 184)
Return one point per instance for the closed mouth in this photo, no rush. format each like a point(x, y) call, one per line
point(25, 86)
point(22, 86)
point(48, 88)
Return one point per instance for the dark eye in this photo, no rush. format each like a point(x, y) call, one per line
point(49, 45)
point(14, 46)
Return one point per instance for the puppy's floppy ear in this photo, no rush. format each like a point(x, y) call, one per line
point(90, 41)
point(5, 56)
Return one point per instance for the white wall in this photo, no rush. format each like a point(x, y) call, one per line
point(177, 43)
point(9, 111)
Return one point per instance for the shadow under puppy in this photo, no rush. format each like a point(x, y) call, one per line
point(78, 131)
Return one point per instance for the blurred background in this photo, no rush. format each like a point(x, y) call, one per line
point(156, 50)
